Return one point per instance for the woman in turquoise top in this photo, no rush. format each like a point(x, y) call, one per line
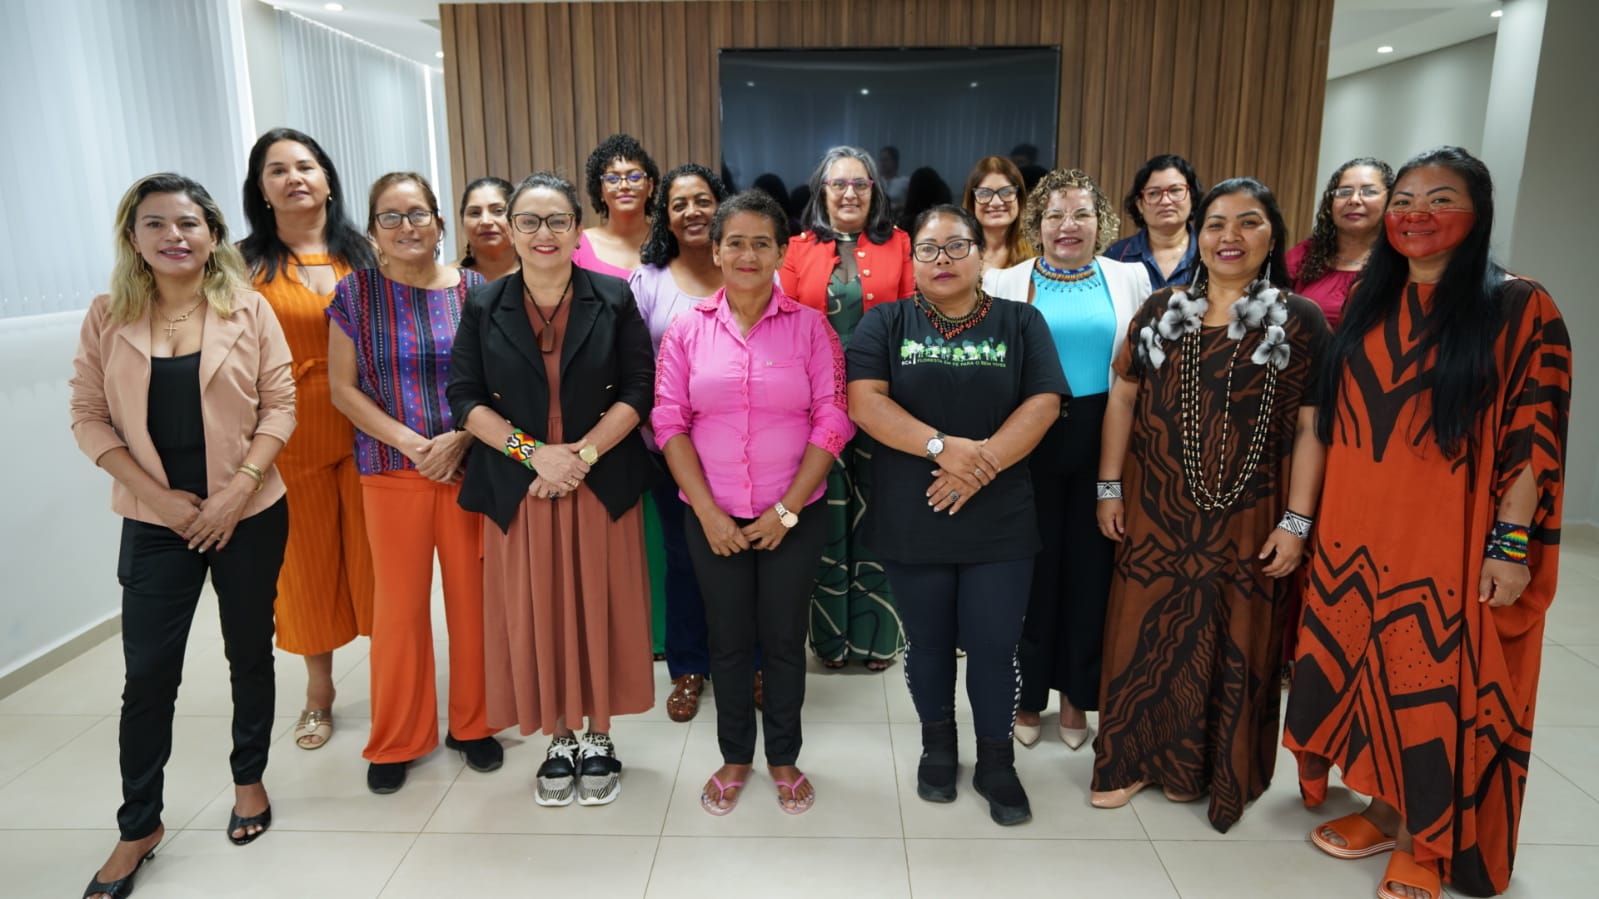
point(1087, 301)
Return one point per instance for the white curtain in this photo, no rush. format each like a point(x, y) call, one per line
point(366, 106)
point(95, 94)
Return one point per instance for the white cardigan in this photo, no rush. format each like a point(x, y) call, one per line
point(1128, 284)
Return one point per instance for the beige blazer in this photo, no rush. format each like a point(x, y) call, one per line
point(245, 389)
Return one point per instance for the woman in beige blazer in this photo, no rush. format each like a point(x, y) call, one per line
point(181, 390)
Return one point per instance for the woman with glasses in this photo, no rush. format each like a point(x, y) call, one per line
point(994, 193)
point(621, 181)
point(957, 389)
point(1087, 301)
point(1210, 435)
point(390, 330)
point(849, 259)
point(484, 205)
point(552, 372)
point(1161, 204)
point(301, 245)
point(1325, 264)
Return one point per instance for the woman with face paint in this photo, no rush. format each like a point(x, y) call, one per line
point(1444, 407)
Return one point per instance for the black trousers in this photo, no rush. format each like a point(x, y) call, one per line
point(161, 581)
point(759, 597)
point(1065, 628)
point(981, 605)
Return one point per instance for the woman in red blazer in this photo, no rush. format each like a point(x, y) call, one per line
point(849, 258)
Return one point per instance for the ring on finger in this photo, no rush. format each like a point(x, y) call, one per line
point(953, 496)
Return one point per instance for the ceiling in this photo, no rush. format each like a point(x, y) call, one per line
point(1411, 27)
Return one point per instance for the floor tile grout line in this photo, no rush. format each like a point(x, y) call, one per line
point(98, 720)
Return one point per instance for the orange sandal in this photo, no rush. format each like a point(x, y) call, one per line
point(1361, 838)
point(1403, 869)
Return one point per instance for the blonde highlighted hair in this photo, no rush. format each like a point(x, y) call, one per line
point(133, 286)
point(1066, 179)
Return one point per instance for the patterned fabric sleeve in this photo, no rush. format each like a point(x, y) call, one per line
point(342, 310)
point(831, 428)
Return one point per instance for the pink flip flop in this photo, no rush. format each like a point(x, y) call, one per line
point(801, 806)
point(709, 802)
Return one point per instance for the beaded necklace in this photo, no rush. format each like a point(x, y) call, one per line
point(1048, 274)
point(947, 326)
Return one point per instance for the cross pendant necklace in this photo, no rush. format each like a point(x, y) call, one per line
point(172, 323)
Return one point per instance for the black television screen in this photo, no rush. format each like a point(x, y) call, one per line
point(942, 109)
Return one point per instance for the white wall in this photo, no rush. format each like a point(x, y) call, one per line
point(1395, 111)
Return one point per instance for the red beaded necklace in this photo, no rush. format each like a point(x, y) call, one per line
point(949, 327)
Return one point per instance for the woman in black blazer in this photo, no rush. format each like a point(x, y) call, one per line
point(552, 370)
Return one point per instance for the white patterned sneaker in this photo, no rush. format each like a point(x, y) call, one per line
point(599, 779)
point(557, 777)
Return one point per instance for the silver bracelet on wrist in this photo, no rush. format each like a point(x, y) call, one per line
point(1296, 524)
point(1107, 490)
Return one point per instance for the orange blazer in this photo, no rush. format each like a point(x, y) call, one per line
point(245, 389)
point(885, 269)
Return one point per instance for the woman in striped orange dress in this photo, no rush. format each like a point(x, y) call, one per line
point(301, 244)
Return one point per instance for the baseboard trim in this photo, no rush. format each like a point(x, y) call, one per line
point(64, 652)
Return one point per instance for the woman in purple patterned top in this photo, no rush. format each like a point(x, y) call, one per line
point(390, 333)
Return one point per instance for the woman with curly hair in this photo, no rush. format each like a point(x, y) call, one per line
point(994, 193)
point(1324, 265)
point(621, 179)
point(1210, 426)
point(1088, 302)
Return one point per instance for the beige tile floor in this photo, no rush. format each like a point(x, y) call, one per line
point(454, 832)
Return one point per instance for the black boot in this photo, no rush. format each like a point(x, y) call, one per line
point(996, 781)
point(935, 776)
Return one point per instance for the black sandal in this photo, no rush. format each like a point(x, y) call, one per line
point(235, 822)
point(116, 889)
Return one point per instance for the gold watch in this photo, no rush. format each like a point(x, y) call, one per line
point(589, 454)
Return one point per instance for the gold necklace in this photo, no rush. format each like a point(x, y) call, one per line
point(172, 323)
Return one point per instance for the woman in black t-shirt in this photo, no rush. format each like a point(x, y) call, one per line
point(957, 389)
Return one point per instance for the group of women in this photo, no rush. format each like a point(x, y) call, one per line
point(1092, 468)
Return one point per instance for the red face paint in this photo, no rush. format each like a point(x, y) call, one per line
point(1418, 235)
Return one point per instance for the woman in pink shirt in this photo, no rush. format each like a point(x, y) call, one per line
point(750, 411)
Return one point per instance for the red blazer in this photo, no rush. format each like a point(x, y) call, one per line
point(885, 269)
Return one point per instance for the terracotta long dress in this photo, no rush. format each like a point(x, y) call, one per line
point(325, 586)
point(1422, 696)
point(1193, 630)
point(566, 603)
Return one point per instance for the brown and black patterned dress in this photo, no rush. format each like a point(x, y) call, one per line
point(1193, 633)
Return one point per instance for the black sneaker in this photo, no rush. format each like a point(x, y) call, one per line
point(482, 754)
point(599, 774)
point(386, 777)
point(557, 777)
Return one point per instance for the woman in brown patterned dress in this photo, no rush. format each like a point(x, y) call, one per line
point(1206, 431)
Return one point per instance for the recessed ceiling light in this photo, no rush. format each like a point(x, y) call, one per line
point(974, 84)
point(749, 84)
point(865, 91)
point(439, 53)
point(1496, 13)
point(333, 7)
point(1385, 49)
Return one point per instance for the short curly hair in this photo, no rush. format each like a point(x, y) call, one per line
point(1066, 179)
point(661, 246)
point(624, 147)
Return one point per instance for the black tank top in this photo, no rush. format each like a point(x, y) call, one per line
point(176, 425)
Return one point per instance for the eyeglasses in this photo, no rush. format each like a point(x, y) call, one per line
point(987, 195)
point(419, 218)
point(959, 248)
point(559, 222)
point(1367, 192)
point(634, 178)
point(841, 186)
point(1057, 217)
point(1177, 192)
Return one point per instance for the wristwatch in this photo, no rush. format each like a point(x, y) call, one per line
point(589, 454)
point(789, 519)
point(935, 445)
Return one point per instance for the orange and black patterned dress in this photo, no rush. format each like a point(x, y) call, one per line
point(1189, 695)
point(1421, 695)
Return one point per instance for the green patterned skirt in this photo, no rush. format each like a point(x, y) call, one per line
point(852, 609)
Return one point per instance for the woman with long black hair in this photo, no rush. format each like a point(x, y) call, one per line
point(1444, 407)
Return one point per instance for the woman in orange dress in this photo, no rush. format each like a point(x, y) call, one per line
point(301, 245)
point(1445, 409)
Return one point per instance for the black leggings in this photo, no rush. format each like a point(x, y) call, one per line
point(979, 606)
point(161, 581)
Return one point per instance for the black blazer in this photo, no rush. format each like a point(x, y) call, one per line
point(606, 356)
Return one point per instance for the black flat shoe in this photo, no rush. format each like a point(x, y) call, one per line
point(116, 889)
point(263, 821)
point(482, 754)
point(386, 777)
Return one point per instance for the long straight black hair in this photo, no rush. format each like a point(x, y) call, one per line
point(1276, 266)
point(263, 250)
point(1466, 315)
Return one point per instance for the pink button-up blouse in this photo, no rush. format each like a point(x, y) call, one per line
point(751, 403)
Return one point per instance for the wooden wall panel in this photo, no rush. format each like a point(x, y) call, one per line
point(1235, 85)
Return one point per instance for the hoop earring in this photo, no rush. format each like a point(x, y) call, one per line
point(382, 260)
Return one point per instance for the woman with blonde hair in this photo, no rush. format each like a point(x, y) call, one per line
point(181, 391)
